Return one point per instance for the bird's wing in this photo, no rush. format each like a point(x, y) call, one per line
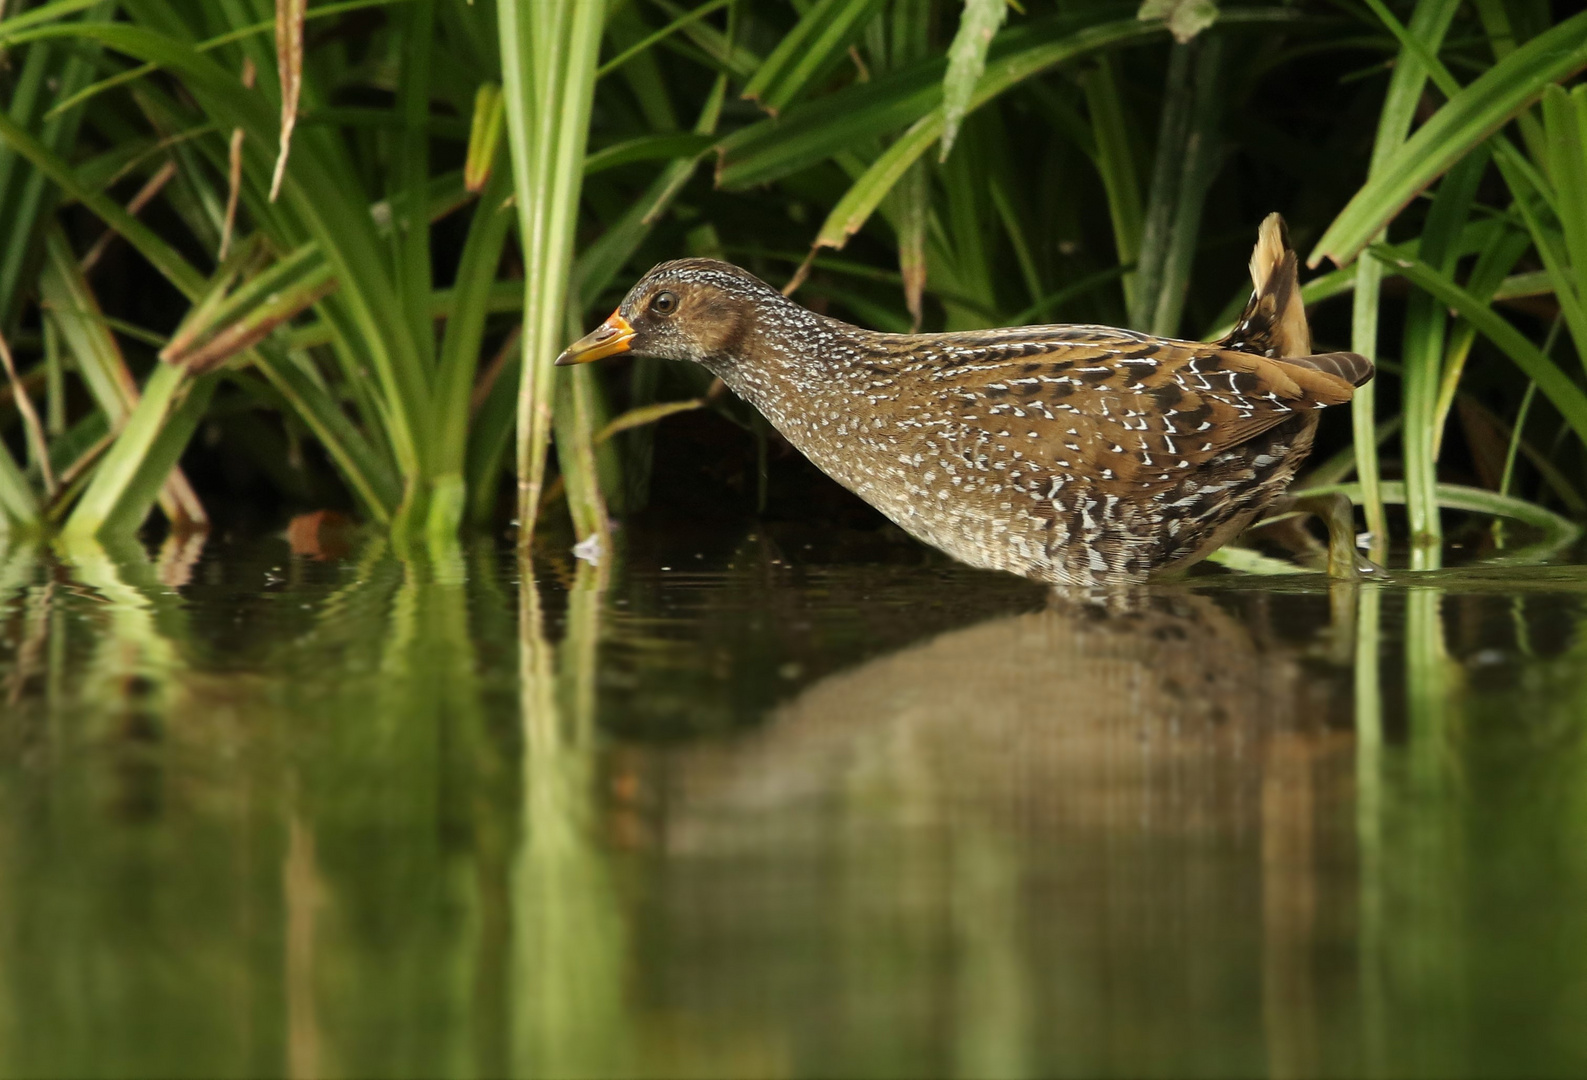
point(1121, 405)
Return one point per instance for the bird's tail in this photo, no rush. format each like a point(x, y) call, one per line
point(1274, 322)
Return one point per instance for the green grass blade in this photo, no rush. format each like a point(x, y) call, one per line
point(320, 201)
point(26, 199)
point(366, 471)
point(19, 506)
point(1535, 202)
point(817, 44)
point(128, 480)
point(222, 308)
point(73, 311)
point(1567, 169)
point(266, 26)
point(979, 23)
point(666, 31)
point(1557, 530)
point(1423, 353)
point(730, 56)
point(411, 239)
point(176, 270)
point(1565, 254)
point(12, 26)
point(547, 133)
point(1429, 24)
point(1004, 71)
point(598, 264)
point(647, 148)
point(813, 132)
point(1168, 176)
point(247, 327)
point(1468, 118)
point(460, 347)
point(1115, 162)
point(861, 200)
point(911, 212)
point(578, 418)
point(966, 222)
point(1013, 230)
point(1187, 157)
point(1558, 387)
point(484, 137)
point(647, 414)
point(160, 254)
point(1488, 275)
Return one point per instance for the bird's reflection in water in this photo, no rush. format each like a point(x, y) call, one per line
point(1158, 704)
point(1111, 816)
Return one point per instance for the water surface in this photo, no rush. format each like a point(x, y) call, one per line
point(767, 807)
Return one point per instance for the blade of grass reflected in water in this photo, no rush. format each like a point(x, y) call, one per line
point(367, 831)
point(1427, 950)
point(17, 562)
point(136, 658)
point(396, 830)
point(569, 936)
point(18, 567)
point(1369, 824)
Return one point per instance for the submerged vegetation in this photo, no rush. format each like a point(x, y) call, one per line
point(327, 252)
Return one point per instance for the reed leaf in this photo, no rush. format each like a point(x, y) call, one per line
point(1558, 531)
point(458, 362)
point(226, 322)
point(1466, 120)
point(73, 311)
point(484, 136)
point(979, 22)
point(647, 414)
point(813, 132)
point(289, 68)
point(19, 506)
point(548, 53)
point(129, 478)
point(817, 43)
point(1004, 71)
point(1429, 24)
point(1558, 387)
point(1423, 353)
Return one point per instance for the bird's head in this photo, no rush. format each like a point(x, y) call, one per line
point(689, 309)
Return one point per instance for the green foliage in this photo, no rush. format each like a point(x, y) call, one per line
point(398, 302)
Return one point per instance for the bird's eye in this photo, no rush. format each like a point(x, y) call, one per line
point(664, 303)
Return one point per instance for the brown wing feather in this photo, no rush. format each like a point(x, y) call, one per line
point(1123, 406)
point(1352, 368)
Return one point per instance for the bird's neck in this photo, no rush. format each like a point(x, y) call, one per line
point(787, 365)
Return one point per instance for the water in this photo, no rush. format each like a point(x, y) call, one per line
point(774, 808)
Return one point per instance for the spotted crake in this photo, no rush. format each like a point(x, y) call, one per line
point(1079, 455)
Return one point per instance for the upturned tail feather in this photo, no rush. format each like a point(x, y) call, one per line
point(1274, 322)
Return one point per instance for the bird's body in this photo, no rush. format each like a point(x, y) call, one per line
point(1081, 455)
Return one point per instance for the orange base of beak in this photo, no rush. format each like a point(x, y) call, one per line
point(608, 339)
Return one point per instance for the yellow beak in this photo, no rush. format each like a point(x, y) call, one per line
point(608, 339)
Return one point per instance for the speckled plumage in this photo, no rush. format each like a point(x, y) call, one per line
point(1081, 455)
